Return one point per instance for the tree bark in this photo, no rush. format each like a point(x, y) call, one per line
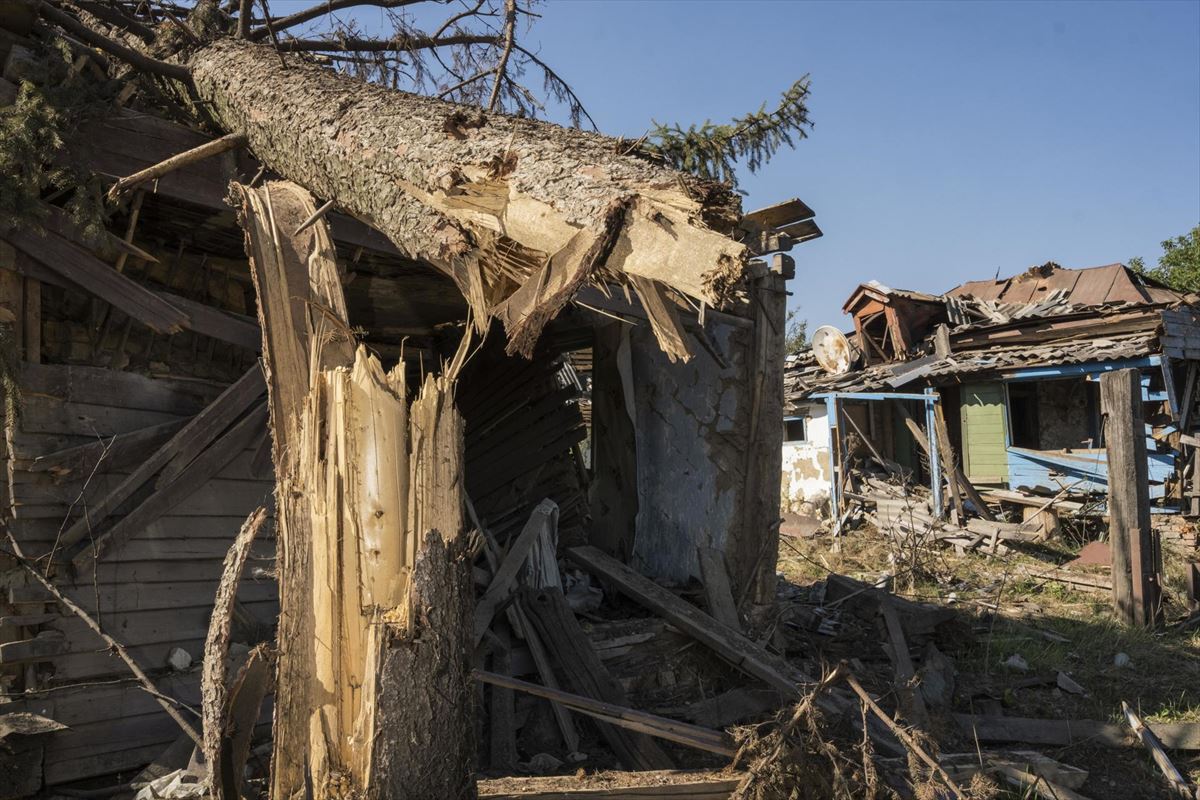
point(521, 213)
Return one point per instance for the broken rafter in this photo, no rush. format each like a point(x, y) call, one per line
point(215, 147)
point(177, 488)
point(680, 732)
point(79, 267)
point(194, 437)
point(1179, 784)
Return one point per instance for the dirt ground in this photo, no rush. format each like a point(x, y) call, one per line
point(1039, 627)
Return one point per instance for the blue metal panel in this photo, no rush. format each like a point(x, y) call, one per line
point(1090, 368)
point(1084, 470)
point(878, 396)
point(935, 467)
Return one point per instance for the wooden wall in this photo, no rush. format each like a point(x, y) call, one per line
point(154, 594)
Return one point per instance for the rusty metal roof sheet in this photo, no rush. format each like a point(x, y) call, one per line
point(1091, 286)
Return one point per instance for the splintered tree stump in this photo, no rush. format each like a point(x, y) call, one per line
point(373, 698)
point(424, 686)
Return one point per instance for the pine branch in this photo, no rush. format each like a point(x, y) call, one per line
point(712, 151)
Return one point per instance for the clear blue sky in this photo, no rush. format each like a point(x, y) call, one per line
point(951, 139)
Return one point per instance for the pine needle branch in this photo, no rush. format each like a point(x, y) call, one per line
point(713, 151)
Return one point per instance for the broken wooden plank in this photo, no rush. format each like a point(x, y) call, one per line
point(911, 699)
point(193, 477)
point(1175, 779)
point(726, 642)
point(501, 587)
point(693, 785)
point(964, 766)
point(217, 323)
point(1033, 783)
point(680, 732)
point(717, 593)
point(566, 641)
point(1173, 735)
point(194, 436)
point(664, 318)
point(94, 276)
point(114, 453)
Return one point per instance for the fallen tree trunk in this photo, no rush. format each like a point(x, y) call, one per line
point(520, 213)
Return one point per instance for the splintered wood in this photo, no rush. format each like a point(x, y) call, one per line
point(369, 495)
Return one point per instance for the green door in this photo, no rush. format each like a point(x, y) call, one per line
point(985, 457)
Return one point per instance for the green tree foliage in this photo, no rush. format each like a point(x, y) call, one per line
point(33, 162)
point(712, 151)
point(796, 339)
point(1179, 264)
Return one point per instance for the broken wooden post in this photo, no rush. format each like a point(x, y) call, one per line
point(753, 553)
point(1134, 554)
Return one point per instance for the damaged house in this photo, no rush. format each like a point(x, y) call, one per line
point(1006, 372)
point(365, 367)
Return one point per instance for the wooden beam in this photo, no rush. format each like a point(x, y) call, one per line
point(909, 693)
point(964, 484)
point(680, 732)
point(167, 496)
point(217, 323)
point(195, 435)
point(724, 641)
point(558, 628)
point(1173, 735)
point(226, 143)
point(1136, 588)
point(676, 784)
point(501, 587)
point(94, 276)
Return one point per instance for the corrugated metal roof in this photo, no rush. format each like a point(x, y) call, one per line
point(1090, 286)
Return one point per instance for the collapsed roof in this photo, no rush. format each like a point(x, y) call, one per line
point(1045, 315)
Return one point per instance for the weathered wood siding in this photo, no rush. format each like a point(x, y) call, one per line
point(153, 594)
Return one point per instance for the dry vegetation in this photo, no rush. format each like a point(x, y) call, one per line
point(1051, 626)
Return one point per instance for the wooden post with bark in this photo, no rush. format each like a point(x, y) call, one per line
point(1136, 589)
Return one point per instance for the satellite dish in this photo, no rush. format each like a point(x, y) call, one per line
point(835, 353)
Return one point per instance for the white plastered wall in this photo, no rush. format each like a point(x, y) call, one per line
point(806, 465)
